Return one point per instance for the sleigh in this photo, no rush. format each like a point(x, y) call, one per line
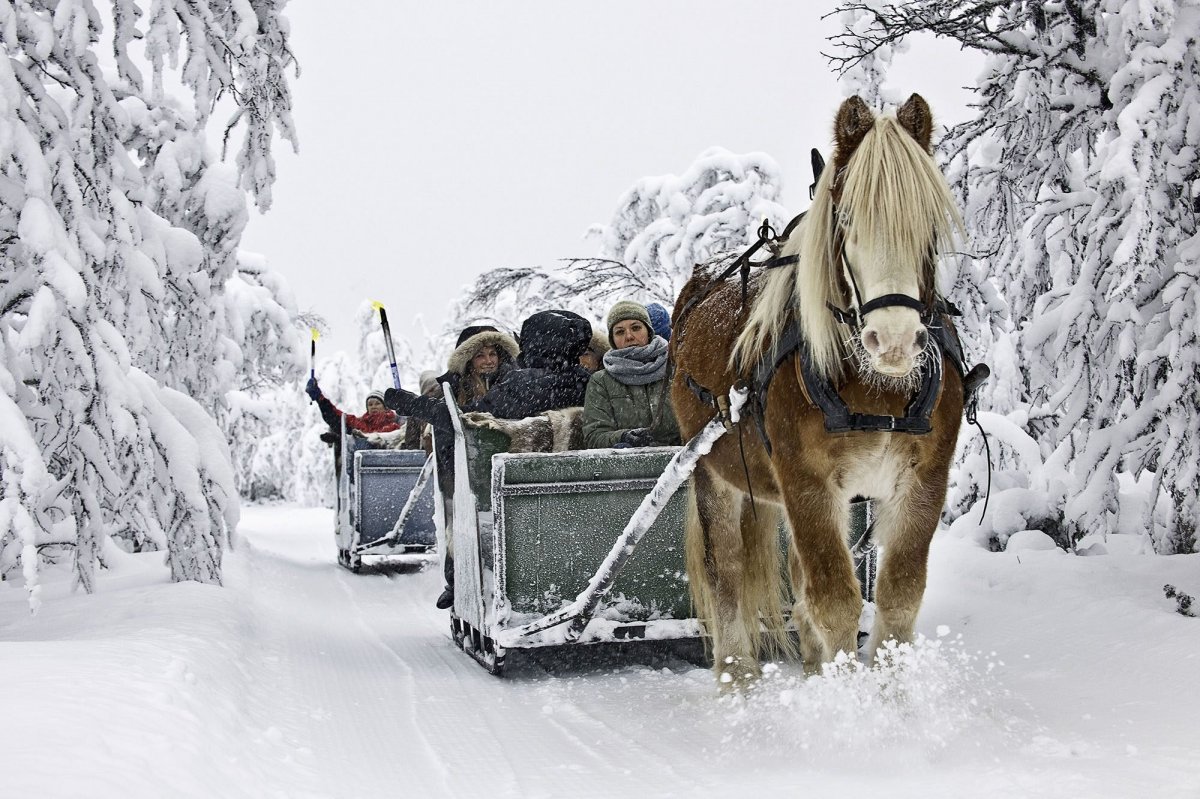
point(533, 537)
point(385, 502)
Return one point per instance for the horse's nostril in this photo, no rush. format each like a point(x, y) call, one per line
point(921, 340)
point(871, 341)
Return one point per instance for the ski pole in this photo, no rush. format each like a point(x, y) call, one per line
point(387, 340)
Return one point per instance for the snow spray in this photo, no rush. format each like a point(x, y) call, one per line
point(387, 340)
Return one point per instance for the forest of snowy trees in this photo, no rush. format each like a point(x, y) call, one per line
point(151, 370)
point(127, 311)
point(1080, 182)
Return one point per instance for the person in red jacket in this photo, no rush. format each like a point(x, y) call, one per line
point(377, 419)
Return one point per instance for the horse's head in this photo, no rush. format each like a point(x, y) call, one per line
point(881, 216)
point(889, 214)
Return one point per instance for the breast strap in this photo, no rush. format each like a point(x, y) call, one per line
point(824, 395)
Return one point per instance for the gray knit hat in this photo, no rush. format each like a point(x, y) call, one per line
point(599, 344)
point(428, 380)
point(623, 310)
point(376, 394)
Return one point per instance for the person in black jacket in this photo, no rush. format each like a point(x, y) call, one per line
point(481, 358)
point(548, 376)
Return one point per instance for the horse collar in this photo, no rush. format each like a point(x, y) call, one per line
point(824, 394)
point(840, 419)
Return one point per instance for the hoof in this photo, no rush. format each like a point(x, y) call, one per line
point(735, 674)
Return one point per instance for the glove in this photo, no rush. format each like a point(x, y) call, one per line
point(638, 437)
point(398, 400)
point(312, 389)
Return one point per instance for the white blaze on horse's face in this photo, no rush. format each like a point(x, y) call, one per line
point(893, 336)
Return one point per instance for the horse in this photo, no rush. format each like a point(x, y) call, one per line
point(881, 217)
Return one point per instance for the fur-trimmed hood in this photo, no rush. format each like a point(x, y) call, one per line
point(506, 347)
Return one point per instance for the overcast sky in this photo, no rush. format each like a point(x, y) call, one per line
point(438, 140)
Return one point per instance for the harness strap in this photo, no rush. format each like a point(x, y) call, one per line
point(743, 264)
point(778, 261)
point(890, 300)
point(789, 341)
point(838, 417)
point(702, 393)
point(824, 395)
point(845, 317)
point(854, 318)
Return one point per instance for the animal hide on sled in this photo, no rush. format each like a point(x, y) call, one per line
point(393, 439)
point(549, 431)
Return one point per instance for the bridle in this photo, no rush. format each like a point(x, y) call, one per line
point(853, 318)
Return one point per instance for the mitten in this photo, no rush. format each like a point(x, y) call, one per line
point(398, 400)
point(638, 437)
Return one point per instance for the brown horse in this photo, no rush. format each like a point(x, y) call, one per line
point(881, 216)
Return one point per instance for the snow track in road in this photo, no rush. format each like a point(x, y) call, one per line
point(299, 680)
point(344, 689)
point(398, 709)
point(396, 703)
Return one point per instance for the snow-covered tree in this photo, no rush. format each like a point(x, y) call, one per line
point(1079, 180)
point(667, 224)
point(119, 331)
point(662, 227)
point(289, 461)
point(866, 77)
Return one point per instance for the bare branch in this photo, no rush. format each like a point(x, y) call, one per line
point(1008, 27)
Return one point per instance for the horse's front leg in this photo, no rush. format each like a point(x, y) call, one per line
point(716, 527)
point(905, 525)
point(830, 600)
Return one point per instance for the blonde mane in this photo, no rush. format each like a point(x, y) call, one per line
point(891, 189)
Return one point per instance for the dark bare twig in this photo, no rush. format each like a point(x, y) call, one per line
point(1004, 27)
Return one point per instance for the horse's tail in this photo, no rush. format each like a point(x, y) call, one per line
point(763, 587)
point(700, 567)
point(762, 591)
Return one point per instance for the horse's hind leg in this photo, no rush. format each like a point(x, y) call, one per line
point(715, 551)
point(906, 525)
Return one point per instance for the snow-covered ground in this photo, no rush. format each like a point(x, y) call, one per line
point(1043, 674)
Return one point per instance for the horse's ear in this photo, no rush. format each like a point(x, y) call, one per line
point(915, 117)
point(851, 125)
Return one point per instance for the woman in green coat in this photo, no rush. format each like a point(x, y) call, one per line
point(627, 402)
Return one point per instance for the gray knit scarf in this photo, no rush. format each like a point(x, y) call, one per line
point(638, 366)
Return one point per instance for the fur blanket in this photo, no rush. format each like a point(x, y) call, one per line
point(549, 431)
point(393, 439)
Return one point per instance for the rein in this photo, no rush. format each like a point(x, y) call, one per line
point(767, 237)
